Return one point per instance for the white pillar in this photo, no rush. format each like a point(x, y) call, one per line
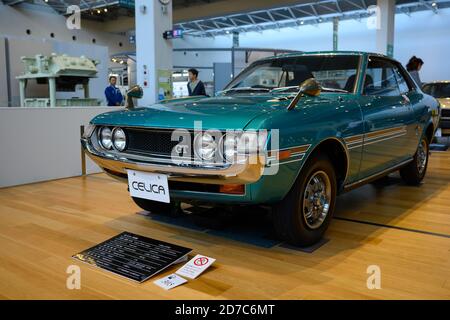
point(52, 91)
point(386, 27)
point(335, 33)
point(22, 87)
point(153, 52)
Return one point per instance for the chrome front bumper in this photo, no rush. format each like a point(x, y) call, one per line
point(246, 171)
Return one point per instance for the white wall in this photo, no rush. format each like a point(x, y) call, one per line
point(423, 34)
point(202, 58)
point(39, 144)
point(426, 35)
point(314, 38)
point(42, 21)
point(14, 21)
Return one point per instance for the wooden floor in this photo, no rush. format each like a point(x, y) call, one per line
point(42, 225)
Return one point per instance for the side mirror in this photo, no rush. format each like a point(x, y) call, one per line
point(134, 92)
point(309, 87)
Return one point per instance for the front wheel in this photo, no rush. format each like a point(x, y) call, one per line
point(414, 172)
point(303, 216)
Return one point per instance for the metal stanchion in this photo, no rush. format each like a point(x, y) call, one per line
point(83, 155)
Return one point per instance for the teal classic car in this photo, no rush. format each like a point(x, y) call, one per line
point(290, 132)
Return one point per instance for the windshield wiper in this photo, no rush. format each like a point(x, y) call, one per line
point(246, 89)
point(282, 89)
point(334, 90)
point(295, 88)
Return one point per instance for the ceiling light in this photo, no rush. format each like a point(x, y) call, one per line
point(106, 9)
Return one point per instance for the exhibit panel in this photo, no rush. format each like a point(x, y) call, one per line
point(43, 143)
point(218, 158)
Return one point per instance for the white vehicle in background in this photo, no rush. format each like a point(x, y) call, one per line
point(441, 91)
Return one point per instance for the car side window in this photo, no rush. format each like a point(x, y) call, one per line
point(403, 87)
point(401, 81)
point(381, 79)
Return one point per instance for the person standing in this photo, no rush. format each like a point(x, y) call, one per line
point(113, 94)
point(195, 86)
point(414, 65)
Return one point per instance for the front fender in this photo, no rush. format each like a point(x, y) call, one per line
point(300, 128)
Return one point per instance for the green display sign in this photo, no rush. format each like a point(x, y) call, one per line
point(390, 50)
point(165, 86)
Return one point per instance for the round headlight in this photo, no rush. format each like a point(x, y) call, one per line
point(205, 146)
point(105, 138)
point(119, 139)
point(230, 146)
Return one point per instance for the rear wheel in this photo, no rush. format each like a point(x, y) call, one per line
point(414, 172)
point(169, 209)
point(303, 216)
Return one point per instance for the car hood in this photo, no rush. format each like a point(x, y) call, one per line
point(217, 112)
point(445, 102)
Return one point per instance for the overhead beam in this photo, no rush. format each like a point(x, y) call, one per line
point(228, 7)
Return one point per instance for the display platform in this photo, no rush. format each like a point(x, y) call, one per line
point(403, 230)
point(248, 226)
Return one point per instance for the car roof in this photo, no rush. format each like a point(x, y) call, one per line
point(438, 82)
point(314, 53)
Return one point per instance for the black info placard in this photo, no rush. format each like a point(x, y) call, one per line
point(132, 256)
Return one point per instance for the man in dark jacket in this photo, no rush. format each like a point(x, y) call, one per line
point(112, 93)
point(195, 86)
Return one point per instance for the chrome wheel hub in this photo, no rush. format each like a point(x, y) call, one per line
point(317, 199)
point(422, 156)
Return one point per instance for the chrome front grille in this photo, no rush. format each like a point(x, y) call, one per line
point(149, 141)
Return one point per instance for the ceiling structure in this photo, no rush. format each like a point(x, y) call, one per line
point(219, 17)
point(313, 12)
point(100, 10)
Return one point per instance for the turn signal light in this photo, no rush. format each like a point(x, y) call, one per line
point(232, 188)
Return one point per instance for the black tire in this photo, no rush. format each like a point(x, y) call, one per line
point(414, 172)
point(172, 209)
point(290, 221)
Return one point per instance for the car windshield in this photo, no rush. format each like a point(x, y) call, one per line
point(437, 90)
point(334, 72)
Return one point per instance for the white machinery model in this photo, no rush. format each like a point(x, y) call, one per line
point(62, 73)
